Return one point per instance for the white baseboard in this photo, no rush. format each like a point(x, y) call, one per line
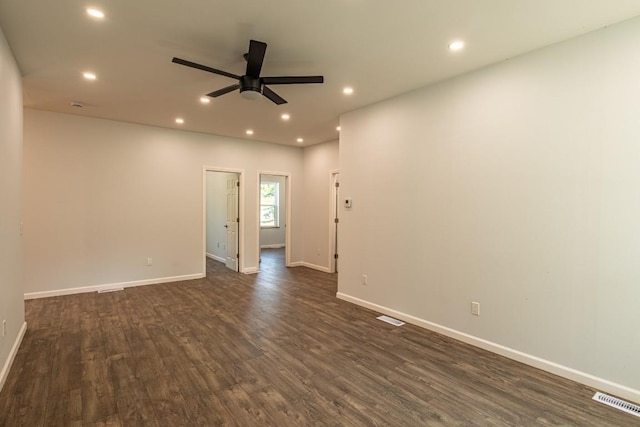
point(546, 365)
point(309, 265)
point(254, 270)
point(12, 355)
point(216, 257)
point(84, 289)
point(276, 246)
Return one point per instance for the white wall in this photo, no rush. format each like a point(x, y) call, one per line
point(103, 196)
point(517, 186)
point(276, 237)
point(217, 214)
point(319, 161)
point(11, 300)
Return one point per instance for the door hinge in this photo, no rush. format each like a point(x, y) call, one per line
point(237, 183)
point(335, 256)
point(237, 219)
point(337, 184)
point(336, 220)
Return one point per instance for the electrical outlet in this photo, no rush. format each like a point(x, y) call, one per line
point(218, 244)
point(475, 308)
point(4, 328)
point(149, 261)
point(364, 280)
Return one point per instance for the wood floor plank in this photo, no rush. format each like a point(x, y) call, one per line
point(98, 402)
point(276, 348)
point(136, 412)
point(241, 408)
point(206, 409)
point(279, 409)
point(167, 399)
point(65, 409)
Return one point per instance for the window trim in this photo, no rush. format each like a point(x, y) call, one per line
point(276, 205)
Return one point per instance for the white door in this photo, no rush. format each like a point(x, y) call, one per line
point(232, 223)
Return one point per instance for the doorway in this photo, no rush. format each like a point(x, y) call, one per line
point(274, 215)
point(222, 217)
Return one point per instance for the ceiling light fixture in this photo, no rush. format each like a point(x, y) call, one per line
point(251, 94)
point(89, 76)
point(300, 140)
point(285, 116)
point(338, 128)
point(205, 100)
point(347, 90)
point(96, 13)
point(179, 121)
point(456, 45)
point(249, 132)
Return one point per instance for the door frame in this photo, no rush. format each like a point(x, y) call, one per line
point(240, 172)
point(287, 202)
point(334, 209)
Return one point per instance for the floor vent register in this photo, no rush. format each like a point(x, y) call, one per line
point(104, 291)
point(391, 320)
point(617, 403)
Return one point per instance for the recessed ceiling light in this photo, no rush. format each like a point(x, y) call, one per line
point(96, 13)
point(249, 132)
point(338, 128)
point(205, 100)
point(89, 76)
point(179, 121)
point(456, 45)
point(285, 116)
point(300, 140)
point(347, 90)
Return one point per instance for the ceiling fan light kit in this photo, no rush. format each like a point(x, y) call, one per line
point(251, 85)
point(250, 88)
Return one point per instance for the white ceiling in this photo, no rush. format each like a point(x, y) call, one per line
point(379, 47)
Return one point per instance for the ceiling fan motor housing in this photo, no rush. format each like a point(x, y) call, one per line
point(250, 87)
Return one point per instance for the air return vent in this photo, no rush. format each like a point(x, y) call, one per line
point(394, 322)
point(617, 403)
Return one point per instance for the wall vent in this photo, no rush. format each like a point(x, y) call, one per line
point(102, 291)
point(617, 403)
point(391, 320)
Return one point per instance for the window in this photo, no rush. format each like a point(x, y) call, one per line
point(269, 205)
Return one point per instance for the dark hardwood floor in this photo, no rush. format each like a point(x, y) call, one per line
point(275, 348)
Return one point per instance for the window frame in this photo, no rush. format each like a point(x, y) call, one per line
point(275, 205)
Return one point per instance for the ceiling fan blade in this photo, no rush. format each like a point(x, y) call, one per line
point(204, 68)
point(255, 57)
point(273, 96)
point(292, 80)
point(224, 90)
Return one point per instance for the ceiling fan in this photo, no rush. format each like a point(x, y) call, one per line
point(251, 85)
